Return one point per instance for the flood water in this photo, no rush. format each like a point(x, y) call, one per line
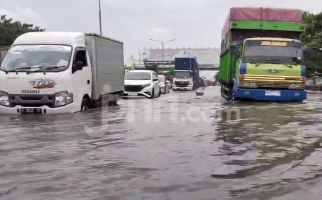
point(177, 147)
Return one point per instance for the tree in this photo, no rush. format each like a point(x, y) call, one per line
point(10, 30)
point(171, 72)
point(312, 41)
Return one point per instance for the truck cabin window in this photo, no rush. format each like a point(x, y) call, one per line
point(81, 57)
point(42, 58)
point(276, 52)
point(183, 74)
point(137, 76)
point(80, 60)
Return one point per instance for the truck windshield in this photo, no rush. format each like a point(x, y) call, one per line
point(183, 74)
point(37, 58)
point(281, 52)
point(137, 76)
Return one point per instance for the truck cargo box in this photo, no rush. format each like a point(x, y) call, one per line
point(262, 14)
point(107, 60)
point(266, 14)
point(244, 23)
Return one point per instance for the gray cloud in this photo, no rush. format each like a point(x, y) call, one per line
point(194, 23)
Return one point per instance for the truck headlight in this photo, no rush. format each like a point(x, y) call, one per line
point(249, 84)
point(63, 98)
point(295, 86)
point(4, 99)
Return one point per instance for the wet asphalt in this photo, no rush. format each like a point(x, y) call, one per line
point(177, 147)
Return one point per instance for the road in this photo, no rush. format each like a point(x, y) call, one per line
point(178, 146)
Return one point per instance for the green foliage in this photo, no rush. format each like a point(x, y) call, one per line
point(171, 72)
point(312, 38)
point(10, 30)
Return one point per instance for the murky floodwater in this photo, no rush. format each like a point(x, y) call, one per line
point(179, 146)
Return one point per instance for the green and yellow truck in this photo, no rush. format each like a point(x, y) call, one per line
point(261, 55)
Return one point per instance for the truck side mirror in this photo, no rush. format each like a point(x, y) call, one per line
point(236, 50)
point(297, 60)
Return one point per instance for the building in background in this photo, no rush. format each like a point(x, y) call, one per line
point(208, 58)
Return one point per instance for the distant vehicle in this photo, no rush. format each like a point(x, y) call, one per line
point(164, 84)
point(142, 83)
point(60, 72)
point(186, 72)
point(261, 55)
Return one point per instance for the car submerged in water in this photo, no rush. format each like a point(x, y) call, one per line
point(142, 83)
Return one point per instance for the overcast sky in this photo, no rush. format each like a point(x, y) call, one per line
point(193, 23)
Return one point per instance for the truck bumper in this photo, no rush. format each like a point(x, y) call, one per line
point(71, 108)
point(270, 95)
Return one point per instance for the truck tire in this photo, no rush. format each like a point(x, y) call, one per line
point(227, 92)
point(113, 100)
point(85, 105)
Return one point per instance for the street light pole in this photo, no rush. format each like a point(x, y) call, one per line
point(100, 16)
point(162, 42)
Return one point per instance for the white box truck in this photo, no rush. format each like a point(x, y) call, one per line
point(60, 72)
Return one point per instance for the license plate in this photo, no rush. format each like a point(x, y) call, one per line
point(31, 111)
point(273, 93)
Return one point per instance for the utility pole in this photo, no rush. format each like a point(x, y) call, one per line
point(100, 16)
point(141, 53)
point(163, 42)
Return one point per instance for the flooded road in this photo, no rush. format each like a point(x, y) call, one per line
point(178, 146)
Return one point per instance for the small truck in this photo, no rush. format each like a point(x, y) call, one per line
point(60, 72)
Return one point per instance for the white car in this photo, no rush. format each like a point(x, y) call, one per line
point(164, 84)
point(142, 83)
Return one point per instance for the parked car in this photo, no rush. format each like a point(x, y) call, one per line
point(164, 84)
point(142, 83)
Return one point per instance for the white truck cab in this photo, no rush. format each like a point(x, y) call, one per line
point(183, 80)
point(59, 72)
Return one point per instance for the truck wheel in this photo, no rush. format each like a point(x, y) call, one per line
point(112, 103)
point(85, 105)
point(227, 92)
point(113, 100)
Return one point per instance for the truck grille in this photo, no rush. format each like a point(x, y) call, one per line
point(266, 81)
point(31, 100)
point(133, 88)
point(182, 83)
